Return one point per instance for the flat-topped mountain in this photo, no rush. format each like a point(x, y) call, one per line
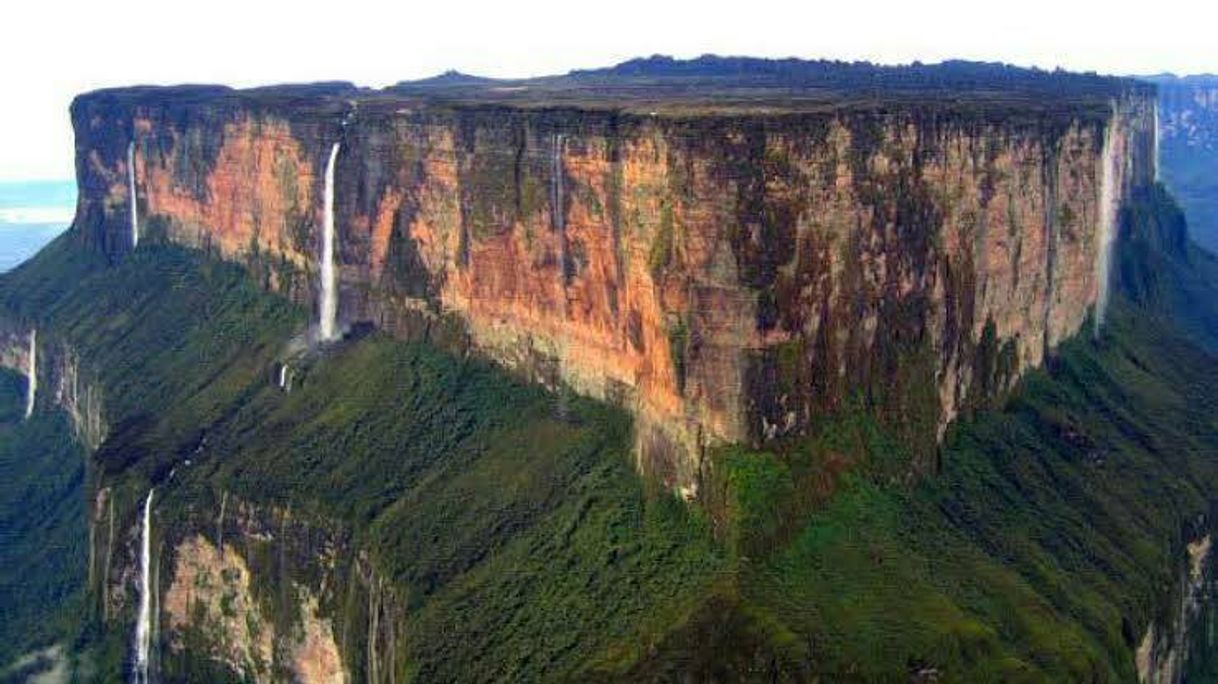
point(713, 84)
point(720, 369)
point(799, 233)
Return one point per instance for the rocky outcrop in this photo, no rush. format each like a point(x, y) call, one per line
point(728, 275)
point(1164, 649)
point(210, 594)
point(252, 592)
point(210, 600)
point(80, 397)
point(61, 377)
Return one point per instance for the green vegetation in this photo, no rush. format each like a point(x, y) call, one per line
point(515, 541)
point(1047, 544)
point(678, 348)
point(172, 338)
point(660, 256)
point(42, 524)
point(1052, 537)
point(523, 543)
point(519, 539)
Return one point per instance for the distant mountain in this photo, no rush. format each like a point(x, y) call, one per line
point(448, 78)
point(792, 72)
point(1188, 133)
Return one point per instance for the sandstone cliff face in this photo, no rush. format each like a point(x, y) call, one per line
point(210, 599)
point(727, 276)
point(253, 592)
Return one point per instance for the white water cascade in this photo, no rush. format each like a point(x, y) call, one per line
point(135, 214)
point(1155, 144)
point(329, 302)
point(285, 378)
point(560, 229)
point(560, 218)
point(143, 624)
point(32, 387)
point(1107, 216)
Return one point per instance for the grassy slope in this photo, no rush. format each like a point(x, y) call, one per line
point(170, 338)
point(42, 531)
point(526, 544)
point(1051, 538)
point(1052, 522)
point(527, 548)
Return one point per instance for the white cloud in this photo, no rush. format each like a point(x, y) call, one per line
point(44, 215)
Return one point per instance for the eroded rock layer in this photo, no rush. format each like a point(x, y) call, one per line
point(728, 275)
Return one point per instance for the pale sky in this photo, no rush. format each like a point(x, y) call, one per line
point(53, 49)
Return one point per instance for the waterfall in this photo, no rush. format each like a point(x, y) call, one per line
point(283, 375)
point(559, 218)
point(143, 631)
point(1155, 142)
point(135, 216)
point(556, 189)
point(1107, 216)
point(329, 304)
point(32, 386)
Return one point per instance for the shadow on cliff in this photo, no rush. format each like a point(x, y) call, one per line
point(1054, 534)
point(1162, 272)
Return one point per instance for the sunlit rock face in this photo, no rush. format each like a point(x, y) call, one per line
point(210, 600)
point(726, 275)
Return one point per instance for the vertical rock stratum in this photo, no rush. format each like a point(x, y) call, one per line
point(728, 268)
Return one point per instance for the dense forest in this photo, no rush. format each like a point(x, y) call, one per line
point(529, 548)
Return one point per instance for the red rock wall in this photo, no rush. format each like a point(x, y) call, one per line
point(726, 278)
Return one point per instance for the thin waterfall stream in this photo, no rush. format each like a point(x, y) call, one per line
point(329, 280)
point(143, 624)
point(1107, 216)
point(31, 391)
point(560, 228)
point(135, 214)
